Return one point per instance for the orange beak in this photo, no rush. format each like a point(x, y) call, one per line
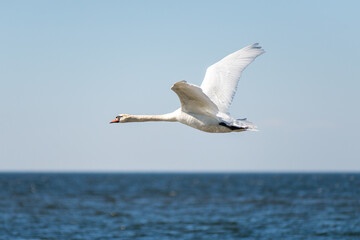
point(115, 121)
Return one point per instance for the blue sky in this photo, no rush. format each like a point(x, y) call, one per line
point(69, 67)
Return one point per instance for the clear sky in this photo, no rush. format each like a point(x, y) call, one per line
point(67, 68)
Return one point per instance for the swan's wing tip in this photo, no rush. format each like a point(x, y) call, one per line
point(177, 84)
point(257, 47)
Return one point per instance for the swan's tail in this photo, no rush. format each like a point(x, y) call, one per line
point(237, 125)
point(246, 124)
point(252, 129)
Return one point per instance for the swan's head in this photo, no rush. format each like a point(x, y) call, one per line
point(120, 118)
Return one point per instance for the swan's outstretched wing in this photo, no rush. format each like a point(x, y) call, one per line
point(193, 100)
point(221, 79)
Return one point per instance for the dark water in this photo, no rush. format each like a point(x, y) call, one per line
point(179, 206)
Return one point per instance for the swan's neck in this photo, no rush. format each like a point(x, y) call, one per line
point(169, 117)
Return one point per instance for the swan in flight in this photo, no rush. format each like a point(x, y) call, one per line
point(206, 107)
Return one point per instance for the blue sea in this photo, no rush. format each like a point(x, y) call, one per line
point(179, 206)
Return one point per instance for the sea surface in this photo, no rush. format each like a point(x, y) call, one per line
point(179, 206)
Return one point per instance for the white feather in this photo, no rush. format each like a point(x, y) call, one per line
point(193, 100)
point(221, 79)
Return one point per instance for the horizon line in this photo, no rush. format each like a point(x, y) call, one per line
point(180, 171)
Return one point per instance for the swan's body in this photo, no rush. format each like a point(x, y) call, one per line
point(206, 107)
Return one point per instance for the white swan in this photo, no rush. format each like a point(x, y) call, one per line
point(206, 107)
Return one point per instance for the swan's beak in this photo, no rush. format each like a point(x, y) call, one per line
point(115, 121)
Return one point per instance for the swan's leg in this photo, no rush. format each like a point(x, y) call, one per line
point(232, 127)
